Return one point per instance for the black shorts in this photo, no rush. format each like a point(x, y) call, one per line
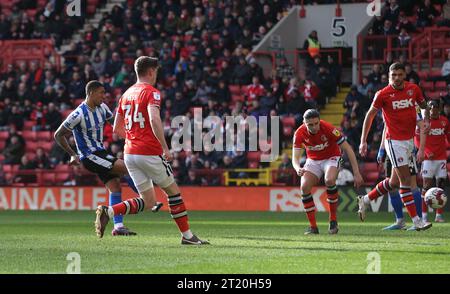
point(101, 164)
point(412, 166)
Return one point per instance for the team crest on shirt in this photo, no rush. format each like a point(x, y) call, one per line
point(323, 138)
point(156, 96)
point(400, 159)
point(443, 123)
point(336, 132)
point(410, 92)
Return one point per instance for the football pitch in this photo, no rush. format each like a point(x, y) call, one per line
point(242, 242)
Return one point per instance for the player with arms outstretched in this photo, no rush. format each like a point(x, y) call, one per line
point(435, 164)
point(147, 155)
point(321, 141)
point(398, 103)
point(86, 123)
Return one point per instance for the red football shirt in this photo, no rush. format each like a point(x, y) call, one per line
point(399, 110)
point(140, 138)
point(320, 146)
point(435, 143)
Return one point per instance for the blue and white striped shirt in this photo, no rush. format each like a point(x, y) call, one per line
point(87, 127)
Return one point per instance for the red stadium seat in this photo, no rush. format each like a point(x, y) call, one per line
point(448, 154)
point(236, 98)
point(63, 168)
point(62, 177)
point(91, 9)
point(66, 113)
point(47, 146)
point(29, 124)
point(371, 177)
point(288, 121)
point(253, 156)
point(31, 146)
point(369, 167)
point(427, 86)
point(44, 136)
point(440, 85)
point(235, 89)
point(48, 178)
point(423, 75)
point(29, 135)
point(4, 136)
point(434, 95)
point(31, 155)
point(435, 73)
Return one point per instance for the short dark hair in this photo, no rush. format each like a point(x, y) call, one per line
point(92, 86)
point(311, 113)
point(397, 66)
point(144, 63)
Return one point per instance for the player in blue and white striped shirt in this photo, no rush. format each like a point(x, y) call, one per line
point(86, 123)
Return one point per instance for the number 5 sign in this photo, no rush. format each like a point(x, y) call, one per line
point(338, 30)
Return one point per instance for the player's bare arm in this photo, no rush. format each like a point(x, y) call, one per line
point(422, 140)
point(354, 163)
point(119, 125)
point(60, 136)
point(296, 155)
point(366, 128)
point(155, 122)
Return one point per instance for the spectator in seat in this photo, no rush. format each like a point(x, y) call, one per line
point(446, 97)
point(411, 74)
point(310, 93)
point(426, 14)
point(241, 72)
point(445, 21)
point(41, 160)
point(255, 90)
point(76, 86)
point(284, 174)
point(3, 181)
point(403, 38)
point(327, 86)
point(16, 118)
point(388, 28)
point(192, 179)
point(29, 166)
point(365, 86)
point(351, 102)
point(284, 69)
point(53, 118)
point(312, 45)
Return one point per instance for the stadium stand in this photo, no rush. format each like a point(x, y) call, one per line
point(204, 48)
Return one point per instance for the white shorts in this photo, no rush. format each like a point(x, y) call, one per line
point(399, 152)
point(146, 169)
point(318, 167)
point(434, 169)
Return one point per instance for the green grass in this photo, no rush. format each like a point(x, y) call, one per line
point(242, 242)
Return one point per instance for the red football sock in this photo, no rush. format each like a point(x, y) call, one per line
point(332, 199)
point(178, 211)
point(310, 208)
point(130, 206)
point(439, 211)
point(382, 188)
point(408, 201)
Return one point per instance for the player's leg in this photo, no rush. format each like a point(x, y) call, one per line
point(396, 201)
point(331, 173)
point(161, 172)
point(428, 172)
point(440, 182)
point(307, 182)
point(381, 189)
point(136, 205)
point(120, 169)
point(407, 197)
point(311, 178)
point(413, 170)
point(115, 197)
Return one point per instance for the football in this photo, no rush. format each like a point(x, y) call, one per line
point(435, 198)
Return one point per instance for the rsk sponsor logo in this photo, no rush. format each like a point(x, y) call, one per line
point(402, 104)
